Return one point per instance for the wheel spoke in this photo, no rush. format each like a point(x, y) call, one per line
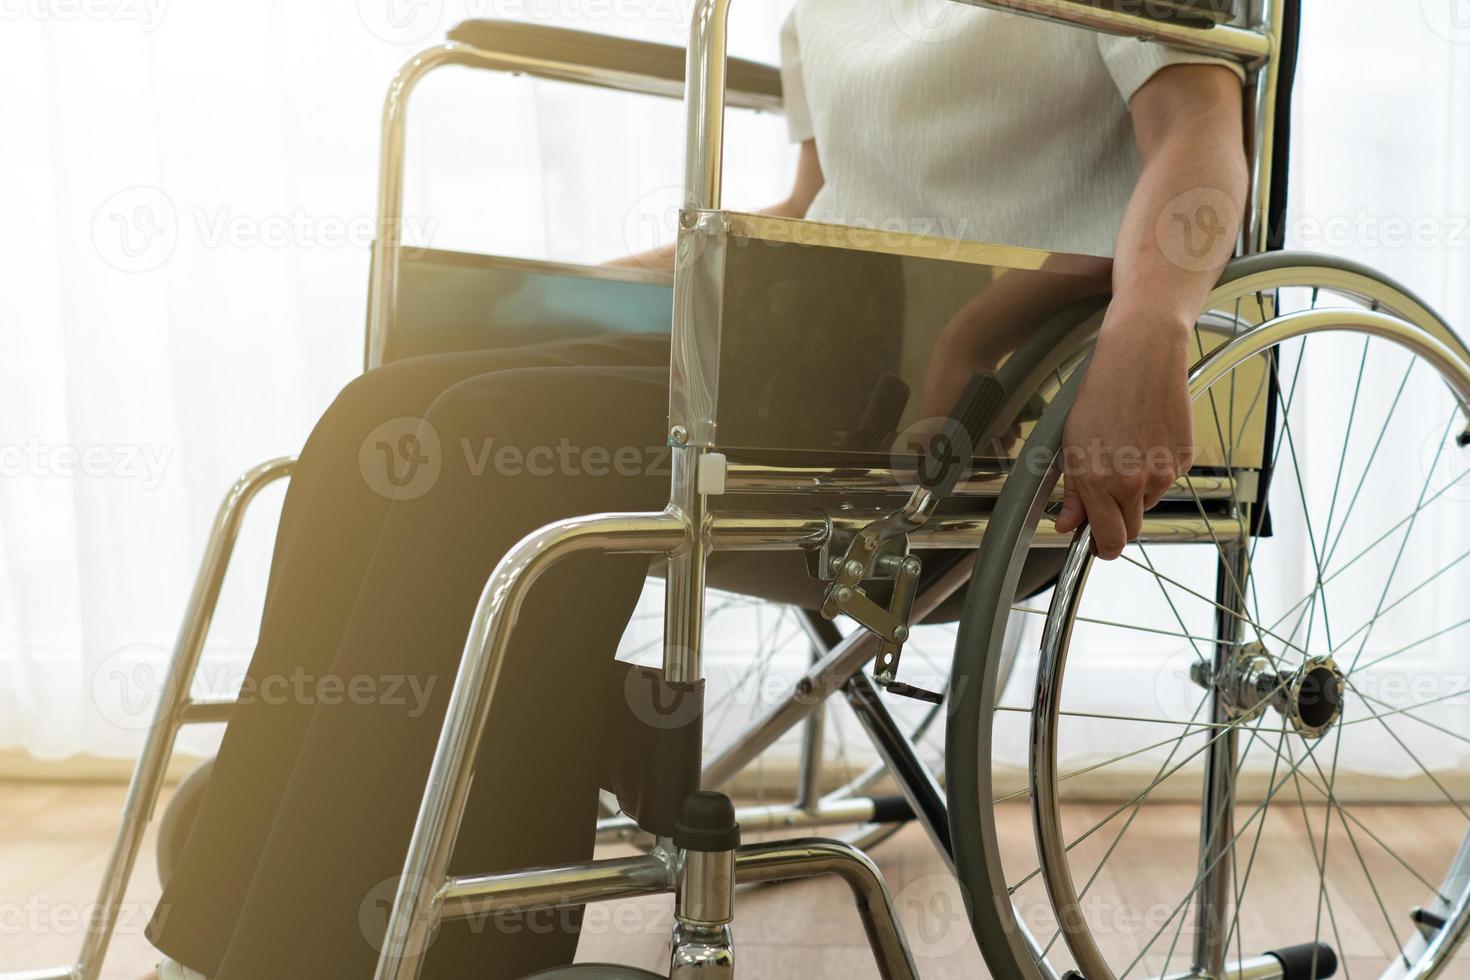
point(1137, 808)
point(1420, 642)
point(1204, 598)
point(1144, 793)
point(1404, 544)
point(1374, 544)
point(1349, 816)
point(1372, 455)
point(1407, 751)
point(1115, 624)
point(1250, 819)
point(1384, 610)
point(1319, 861)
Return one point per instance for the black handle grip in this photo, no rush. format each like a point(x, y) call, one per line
point(949, 452)
point(1309, 961)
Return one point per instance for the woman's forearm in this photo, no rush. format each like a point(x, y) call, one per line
point(1183, 221)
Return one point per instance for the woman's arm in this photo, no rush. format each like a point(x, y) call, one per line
point(808, 181)
point(1131, 432)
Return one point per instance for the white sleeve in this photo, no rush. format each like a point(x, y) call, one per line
point(793, 87)
point(1133, 62)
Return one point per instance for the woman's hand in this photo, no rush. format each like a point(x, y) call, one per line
point(1131, 432)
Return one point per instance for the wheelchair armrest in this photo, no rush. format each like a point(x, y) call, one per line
point(1203, 26)
point(749, 84)
point(1211, 11)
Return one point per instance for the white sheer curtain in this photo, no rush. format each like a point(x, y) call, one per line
point(190, 193)
point(189, 188)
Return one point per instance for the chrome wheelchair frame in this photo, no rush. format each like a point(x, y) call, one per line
point(690, 530)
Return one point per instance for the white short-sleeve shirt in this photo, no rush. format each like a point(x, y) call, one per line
point(939, 118)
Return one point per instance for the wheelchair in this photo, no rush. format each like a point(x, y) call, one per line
point(795, 346)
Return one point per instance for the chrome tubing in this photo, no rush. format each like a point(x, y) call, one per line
point(480, 896)
point(1255, 968)
point(810, 857)
point(655, 873)
point(416, 902)
point(824, 679)
point(984, 482)
point(174, 710)
point(1217, 814)
point(704, 105)
point(383, 296)
point(685, 572)
point(1263, 84)
point(827, 812)
point(735, 531)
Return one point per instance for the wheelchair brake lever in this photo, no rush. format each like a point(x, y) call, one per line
point(941, 466)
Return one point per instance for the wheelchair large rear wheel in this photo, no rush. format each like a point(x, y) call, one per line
point(1224, 724)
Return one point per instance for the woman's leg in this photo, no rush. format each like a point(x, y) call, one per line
point(329, 530)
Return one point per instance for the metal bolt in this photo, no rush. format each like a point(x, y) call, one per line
point(678, 435)
point(844, 594)
point(1200, 673)
point(854, 568)
point(911, 566)
point(900, 632)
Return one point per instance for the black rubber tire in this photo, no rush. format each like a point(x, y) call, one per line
point(178, 820)
point(982, 623)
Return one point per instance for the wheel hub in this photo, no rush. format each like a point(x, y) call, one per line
point(1310, 698)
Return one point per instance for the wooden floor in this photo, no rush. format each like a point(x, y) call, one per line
point(55, 838)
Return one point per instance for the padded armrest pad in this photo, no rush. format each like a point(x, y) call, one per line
point(1212, 11)
point(665, 61)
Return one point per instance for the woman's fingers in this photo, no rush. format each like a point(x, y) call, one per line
point(1109, 526)
point(1072, 515)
